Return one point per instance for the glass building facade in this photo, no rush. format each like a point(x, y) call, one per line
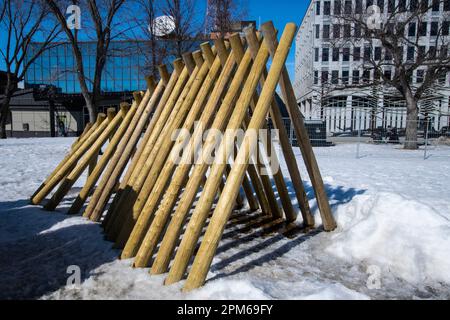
point(125, 68)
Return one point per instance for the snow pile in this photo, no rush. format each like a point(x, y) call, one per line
point(392, 210)
point(399, 235)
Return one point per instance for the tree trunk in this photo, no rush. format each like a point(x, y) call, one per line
point(4, 111)
point(412, 113)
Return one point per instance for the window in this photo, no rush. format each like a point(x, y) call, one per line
point(446, 5)
point(367, 53)
point(369, 3)
point(346, 54)
point(444, 51)
point(442, 77)
point(326, 31)
point(335, 54)
point(434, 28)
point(337, 7)
point(410, 54)
point(413, 5)
point(316, 54)
point(401, 5)
point(388, 55)
point(345, 76)
point(336, 31)
point(424, 4)
point(316, 77)
point(412, 29)
point(324, 76)
point(423, 29)
point(327, 8)
point(377, 53)
point(347, 31)
point(357, 31)
point(325, 54)
point(356, 54)
point(432, 52)
point(366, 75)
point(391, 6)
point(422, 51)
point(436, 5)
point(335, 77)
point(348, 7)
point(355, 77)
point(318, 8)
point(317, 31)
point(358, 6)
point(388, 74)
point(445, 28)
point(419, 76)
point(380, 4)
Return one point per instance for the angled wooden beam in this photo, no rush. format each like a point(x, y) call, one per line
point(309, 158)
point(208, 247)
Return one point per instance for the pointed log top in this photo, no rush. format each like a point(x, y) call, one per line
point(189, 61)
point(222, 51)
point(164, 73)
point(207, 52)
point(198, 58)
point(151, 85)
point(124, 107)
point(178, 65)
point(111, 112)
point(101, 117)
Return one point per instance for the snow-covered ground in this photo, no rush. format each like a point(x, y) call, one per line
point(393, 239)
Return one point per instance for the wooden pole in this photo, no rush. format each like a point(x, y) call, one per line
point(165, 110)
point(177, 181)
point(197, 177)
point(124, 220)
point(161, 113)
point(193, 104)
point(201, 212)
point(78, 142)
point(109, 152)
point(309, 158)
point(62, 172)
point(223, 209)
point(124, 150)
point(286, 147)
point(113, 122)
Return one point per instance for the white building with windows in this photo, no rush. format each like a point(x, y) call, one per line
point(320, 65)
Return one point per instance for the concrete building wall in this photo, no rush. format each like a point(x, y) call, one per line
point(351, 109)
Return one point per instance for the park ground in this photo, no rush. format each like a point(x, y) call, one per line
point(393, 237)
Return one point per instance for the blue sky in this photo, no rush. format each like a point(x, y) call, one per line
point(279, 11)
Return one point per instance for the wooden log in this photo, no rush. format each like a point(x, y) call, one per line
point(197, 177)
point(201, 212)
point(129, 195)
point(109, 152)
point(208, 247)
point(124, 150)
point(286, 147)
point(329, 224)
point(114, 121)
point(89, 128)
point(140, 153)
point(66, 167)
point(163, 112)
point(193, 104)
point(181, 174)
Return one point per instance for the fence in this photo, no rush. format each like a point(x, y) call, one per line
point(382, 141)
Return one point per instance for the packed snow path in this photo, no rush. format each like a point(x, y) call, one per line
point(393, 239)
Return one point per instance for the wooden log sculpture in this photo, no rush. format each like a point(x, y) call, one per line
point(159, 160)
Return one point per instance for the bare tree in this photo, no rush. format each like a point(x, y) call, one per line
point(22, 22)
point(102, 17)
point(383, 39)
point(187, 27)
point(222, 15)
point(154, 49)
